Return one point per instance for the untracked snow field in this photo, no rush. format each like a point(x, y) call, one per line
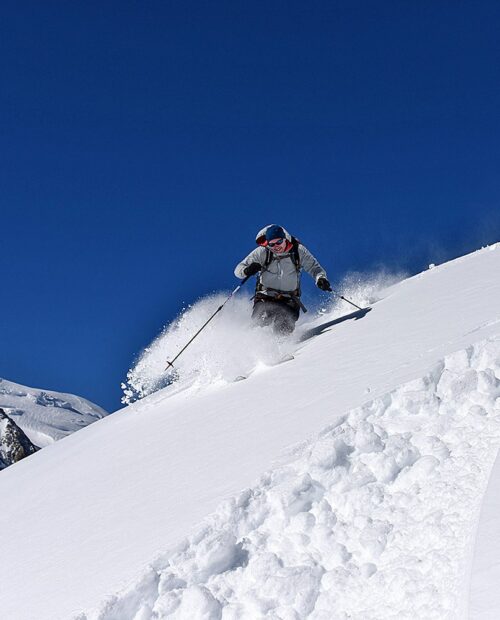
point(346, 483)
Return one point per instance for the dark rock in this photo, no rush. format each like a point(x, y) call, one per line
point(14, 443)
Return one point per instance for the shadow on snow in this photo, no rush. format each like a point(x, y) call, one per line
point(319, 329)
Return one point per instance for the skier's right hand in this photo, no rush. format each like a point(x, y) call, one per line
point(252, 269)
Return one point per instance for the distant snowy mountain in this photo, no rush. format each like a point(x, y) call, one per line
point(14, 444)
point(46, 416)
point(347, 482)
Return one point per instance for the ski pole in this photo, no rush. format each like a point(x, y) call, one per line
point(170, 364)
point(342, 297)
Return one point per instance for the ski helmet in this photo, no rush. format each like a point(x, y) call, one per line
point(275, 232)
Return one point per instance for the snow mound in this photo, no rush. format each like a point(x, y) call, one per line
point(230, 346)
point(372, 519)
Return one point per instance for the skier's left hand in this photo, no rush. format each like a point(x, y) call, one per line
point(323, 284)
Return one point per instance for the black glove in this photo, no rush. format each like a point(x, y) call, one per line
point(252, 269)
point(323, 284)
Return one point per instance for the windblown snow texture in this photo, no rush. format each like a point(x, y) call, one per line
point(371, 520)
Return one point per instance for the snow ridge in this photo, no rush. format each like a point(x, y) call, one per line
point(374, 519)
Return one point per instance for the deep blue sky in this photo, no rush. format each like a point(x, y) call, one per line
point(143, 144)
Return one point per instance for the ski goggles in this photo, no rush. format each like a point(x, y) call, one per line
point(271, 244)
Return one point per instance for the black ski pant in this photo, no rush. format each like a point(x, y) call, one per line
point(280, 314)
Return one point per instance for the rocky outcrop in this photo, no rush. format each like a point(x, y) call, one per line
point(14, 444)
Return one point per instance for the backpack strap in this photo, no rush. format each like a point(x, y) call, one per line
point(267, 262)
point(269, 258)
point(295, 253)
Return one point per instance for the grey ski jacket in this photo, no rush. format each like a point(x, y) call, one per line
point(281, 273)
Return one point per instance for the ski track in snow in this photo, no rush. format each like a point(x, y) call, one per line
point(373, 520)
point(230, 346)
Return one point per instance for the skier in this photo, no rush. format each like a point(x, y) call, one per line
point(279, 259)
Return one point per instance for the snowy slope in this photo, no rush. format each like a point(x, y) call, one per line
point(371, 520)
point(408, 433)
point(46, 416)
point(484, 598)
